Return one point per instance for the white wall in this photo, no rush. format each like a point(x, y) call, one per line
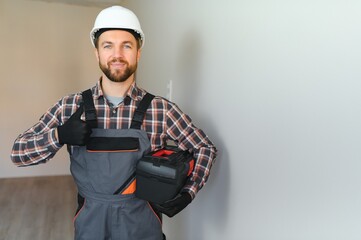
point(276, 85)
point(45, 54)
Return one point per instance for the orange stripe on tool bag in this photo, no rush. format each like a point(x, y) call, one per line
point(128, 186)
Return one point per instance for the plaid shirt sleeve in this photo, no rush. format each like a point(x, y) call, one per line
point(39, 144)
point(181, 129)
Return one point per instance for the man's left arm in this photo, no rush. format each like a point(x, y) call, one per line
point(181, 129)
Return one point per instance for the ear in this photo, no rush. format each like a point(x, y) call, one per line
point(96, 54)
point(139, 53)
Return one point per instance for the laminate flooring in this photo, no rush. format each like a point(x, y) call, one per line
point(37, 208)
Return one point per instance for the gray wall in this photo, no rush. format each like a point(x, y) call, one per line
point(276, 85)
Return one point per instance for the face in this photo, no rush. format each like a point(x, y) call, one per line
point(118, 55)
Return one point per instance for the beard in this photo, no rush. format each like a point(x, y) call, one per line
point(118, 75)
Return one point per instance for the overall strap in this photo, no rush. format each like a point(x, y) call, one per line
point(89, 108)
point(139, 113)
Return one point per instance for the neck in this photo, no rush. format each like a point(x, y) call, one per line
point(116, 89)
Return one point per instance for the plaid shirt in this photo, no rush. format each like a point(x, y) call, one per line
point(163, 120)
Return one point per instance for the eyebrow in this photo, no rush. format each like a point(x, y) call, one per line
point(109, 42)
point(128, 42)
point(106, 42)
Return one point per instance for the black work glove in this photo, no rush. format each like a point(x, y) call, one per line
point(175, 205)
point(74, 131)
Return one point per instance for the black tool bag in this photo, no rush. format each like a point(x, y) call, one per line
point(162, 174)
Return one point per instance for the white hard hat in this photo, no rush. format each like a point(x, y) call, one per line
point(117, 17)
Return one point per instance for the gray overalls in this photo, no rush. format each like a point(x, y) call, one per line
point(104, 172)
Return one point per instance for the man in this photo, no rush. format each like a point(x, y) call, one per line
point(106, 142)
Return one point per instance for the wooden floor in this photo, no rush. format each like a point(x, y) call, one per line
point(37, 208)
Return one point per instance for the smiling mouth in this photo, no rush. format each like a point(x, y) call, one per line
point(117, 64)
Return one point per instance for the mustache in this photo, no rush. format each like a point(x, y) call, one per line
point(118, 60)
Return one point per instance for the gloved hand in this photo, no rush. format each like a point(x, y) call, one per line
point(74, 131)
point(175, 205)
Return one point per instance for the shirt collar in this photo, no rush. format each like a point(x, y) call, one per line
point(98, 92)
point(134, 92)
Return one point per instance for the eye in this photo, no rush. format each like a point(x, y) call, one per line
point(107, 46)
point(127, 46)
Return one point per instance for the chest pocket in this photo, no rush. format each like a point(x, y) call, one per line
point(113, 144)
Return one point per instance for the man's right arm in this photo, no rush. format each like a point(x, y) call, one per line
point(39, 143)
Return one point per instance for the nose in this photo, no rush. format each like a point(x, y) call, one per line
point(118, 52)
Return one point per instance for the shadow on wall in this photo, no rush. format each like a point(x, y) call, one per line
point(187, 72)
point(209, 210)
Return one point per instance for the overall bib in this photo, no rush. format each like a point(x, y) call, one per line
point(104, 172)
